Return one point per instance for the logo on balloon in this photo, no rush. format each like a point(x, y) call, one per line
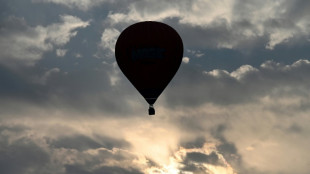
point(147, 53)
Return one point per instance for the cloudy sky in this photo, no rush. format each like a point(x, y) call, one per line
point(239, 104)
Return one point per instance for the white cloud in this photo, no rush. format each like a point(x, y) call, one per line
point(240, 86)
point(61, 52)
point(108, 40)
point(217, 73)
point(60, 33)
point(196, 53)
point(47, 74)
point(242, 71)
point(25, 47)
point(80, 4)
point(276, 137)
point(185, 60)
point(78, 55)
point(145, 11)
point(228, 24)
point(202, 13)
point(278, 37)
point(197, 12)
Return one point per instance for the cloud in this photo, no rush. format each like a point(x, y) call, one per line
point(103, 170)
point(43, 79)
point(253, 134)
point(20, 155)
point(146, 10)
point(83, 116)
point(24, 45)
point(188, 12)
point(224, 24)
point(82, 142)
point(61, 52)
point(195, 53)
point(80, 4)
point(243, 85)
point(185, 60)
point(34, 155)
point(67, 154)
point(258, 118)
point(108, 40)
point(87, 89)
point(200, 157)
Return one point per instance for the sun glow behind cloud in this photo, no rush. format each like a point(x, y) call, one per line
point(153, 146)
point(167, 143)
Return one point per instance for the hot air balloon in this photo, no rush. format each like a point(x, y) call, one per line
point(149, 54)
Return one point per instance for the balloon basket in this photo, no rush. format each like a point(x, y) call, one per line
point(151, 110)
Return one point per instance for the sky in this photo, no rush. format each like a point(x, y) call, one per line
point(239, 104)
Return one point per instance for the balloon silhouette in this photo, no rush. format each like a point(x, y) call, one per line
point(149, 54)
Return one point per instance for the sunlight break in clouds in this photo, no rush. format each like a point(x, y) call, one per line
point(210, 137)
point(130, 148)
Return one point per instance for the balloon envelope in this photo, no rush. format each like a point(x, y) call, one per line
point(149, 54)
